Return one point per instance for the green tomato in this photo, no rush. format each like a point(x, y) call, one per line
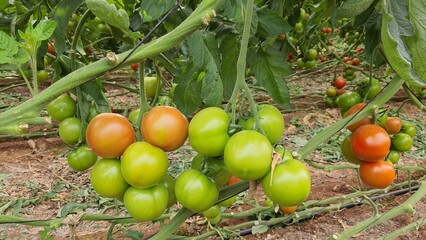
point(165, 101)
point(213, 168)
point(364, 88)
point(146, 204)
point(402, 142)
point(106, 178)
point(347, 100)
point(62, 107)
point(408, 128)
point(311, 63)
point(312, 54)
point(143, 165)
point(285, 153)
point(271, 121)
point(350, 77)
point(208, 131)
point(300, 63)
point(70, 130)
point(347, 151)
point(290, 185)
point(228, 202)
point(331, 92)
point(215, 220)
point(195, 191)
point(169, 182)
point(133, 116)
point(93, 111)
point(394, 156)
point(42, 76)
point(82, 158)
point(248, 155)
point(212, 212)
point(151, 84)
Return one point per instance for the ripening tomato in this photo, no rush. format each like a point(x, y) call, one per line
point(347, 151)
point(165, 127)
point(393, 125)
point(290, 184)
point(378, 174)
point(109, 134)
point(81, 159)
point(61, 107)
point(232, 180)
point(288, 210)
point(370, 143)
point(345, 59)
point(331, 92)
point(354, 109)
point(340, 82)
point(143, 165)
point(355, 61)
point(248, 155)
point(134, 67)
point(146, 204)
point(195, 191)
point(50, 48)
point(208, 131)
point(107, 179)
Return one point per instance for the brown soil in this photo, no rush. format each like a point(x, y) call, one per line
point(37, 183)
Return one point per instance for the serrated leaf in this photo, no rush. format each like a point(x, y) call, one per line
point(8, 45)
point(61, 14)
point(395, 25)
point(270, 68)
point(234, 10)
point(153, 10)
point(417, 43)
point(44, 30)
point(270, 24)
point(109, 13)
point(230, 49)
point(259, 229)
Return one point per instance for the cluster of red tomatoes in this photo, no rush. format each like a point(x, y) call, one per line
point(135, 172)
point(376, 147)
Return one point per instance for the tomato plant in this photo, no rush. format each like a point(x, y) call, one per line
point(81, 158)
point(165, 127)
point(146, 204)
point(248, 155)
point(290, 184)
point(143, 165)
point(195, 191)
point(208, 131)
point(107, 179)
point(370, 143)
point(378, 174)
point(61, 107)
point(109, 134)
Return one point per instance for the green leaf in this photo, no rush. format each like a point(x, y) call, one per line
point(205, 55)
point(135, 235)
point(61, 14)
point(22, 56)
point(8, 45)
point(270, 68)
point(366, 15)
point(323, 10)
point(109, 13)
point(44, 30)
point(234, 9)
point(153, 10)
point(71, 207)
point(230, 49)
point(373, 38)
point(187, 95)
point(259, 229)
point(270, 24)
point(402, 55)
point(352, 8)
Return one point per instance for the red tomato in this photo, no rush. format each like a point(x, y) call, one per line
point(232, 180)
point(109, 134)
point(355, 61)
point(340, 82)
point(345, 59)
point(50, 48)
point(134, 67)
point(377, 174)
point(329, 30)
point(324, 30)
point(370, 143)
point(165, 127)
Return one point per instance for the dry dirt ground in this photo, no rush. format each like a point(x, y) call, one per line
point(36, 183)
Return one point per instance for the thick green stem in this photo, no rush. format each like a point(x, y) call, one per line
point(406, 229)
point(170, 228)
point(406, 207)
point(202, 13)
point(413, 98)
point(34, 69)
point(76, 36)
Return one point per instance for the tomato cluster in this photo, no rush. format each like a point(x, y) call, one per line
point(376, 147)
